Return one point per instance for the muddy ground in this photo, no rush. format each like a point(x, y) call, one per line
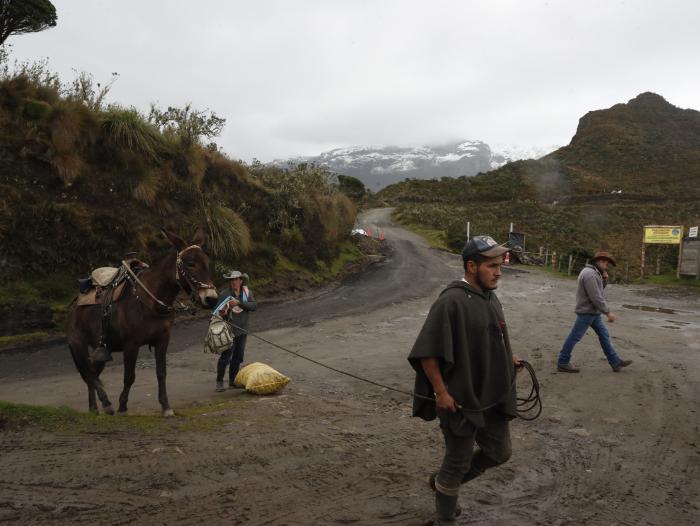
point(609, 448)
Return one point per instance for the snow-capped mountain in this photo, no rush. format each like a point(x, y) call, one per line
point(378, 167)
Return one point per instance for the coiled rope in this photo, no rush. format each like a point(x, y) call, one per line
point(524, 405)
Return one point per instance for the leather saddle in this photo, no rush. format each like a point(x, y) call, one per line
point(96, 289)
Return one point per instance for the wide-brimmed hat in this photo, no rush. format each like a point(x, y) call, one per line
point(483, 245)
point(233, 274)
point(604, 255)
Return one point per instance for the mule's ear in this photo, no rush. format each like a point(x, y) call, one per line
point(174, 240)
point(200, 237)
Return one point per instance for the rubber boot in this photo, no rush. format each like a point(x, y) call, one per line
point(431, 483)
point(446, 508)
point(101, 354)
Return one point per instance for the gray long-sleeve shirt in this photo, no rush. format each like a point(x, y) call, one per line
point(589, 292)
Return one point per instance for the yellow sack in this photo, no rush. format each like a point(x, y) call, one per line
point(261, 379)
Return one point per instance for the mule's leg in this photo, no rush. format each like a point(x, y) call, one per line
point(99, 387)
point(161, 352)
point(80, 355)
point(130, 354)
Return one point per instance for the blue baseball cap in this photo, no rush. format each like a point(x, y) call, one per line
point(483, 245)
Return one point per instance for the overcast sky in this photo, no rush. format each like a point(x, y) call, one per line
point(301, 77)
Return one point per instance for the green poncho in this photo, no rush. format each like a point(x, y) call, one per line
point(466, 331)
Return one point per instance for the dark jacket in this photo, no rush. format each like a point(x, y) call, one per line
point(247, 304)
point(466, 331)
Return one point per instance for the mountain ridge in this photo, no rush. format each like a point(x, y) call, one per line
point(380, 166)
point(633, 164)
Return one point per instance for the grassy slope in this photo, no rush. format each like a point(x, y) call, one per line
point(647, 148)
point(80, 186)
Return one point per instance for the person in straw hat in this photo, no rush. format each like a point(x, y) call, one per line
point(235, 303)
point(590, 304)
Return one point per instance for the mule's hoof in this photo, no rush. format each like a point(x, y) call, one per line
point(108, 409)
point(122, 413)
point(168, 412)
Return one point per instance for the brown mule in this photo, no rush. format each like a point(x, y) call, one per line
point(143, 315)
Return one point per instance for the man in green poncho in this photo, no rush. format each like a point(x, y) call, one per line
point(462, 358)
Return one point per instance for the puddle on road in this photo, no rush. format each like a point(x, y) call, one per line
point(646, 308)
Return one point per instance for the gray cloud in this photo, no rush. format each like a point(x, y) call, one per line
point(295, 78)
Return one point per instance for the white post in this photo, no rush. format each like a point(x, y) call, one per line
point(468, 227)
point(511, 228)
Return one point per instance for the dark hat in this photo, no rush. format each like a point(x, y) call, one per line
point(483, 245)
point(604, 255)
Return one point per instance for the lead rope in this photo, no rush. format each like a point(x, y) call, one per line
point(524, 405)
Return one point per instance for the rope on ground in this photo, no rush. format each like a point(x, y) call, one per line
point(524, 405)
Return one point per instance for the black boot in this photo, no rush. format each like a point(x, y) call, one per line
point(101, 354)
point(446, 508)
point(431, 483)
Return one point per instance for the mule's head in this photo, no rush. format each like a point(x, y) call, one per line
point(192, 268)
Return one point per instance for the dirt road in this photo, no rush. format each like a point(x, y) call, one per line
point(609, 449)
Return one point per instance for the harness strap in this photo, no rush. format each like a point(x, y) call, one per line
point(137, 280)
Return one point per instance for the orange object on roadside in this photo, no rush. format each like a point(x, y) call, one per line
point(506, 258)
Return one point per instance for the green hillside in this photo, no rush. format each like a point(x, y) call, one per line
point(81, 183)
point(627, 166)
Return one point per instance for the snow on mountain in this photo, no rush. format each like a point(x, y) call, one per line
point(506, 153)
point(381, 166)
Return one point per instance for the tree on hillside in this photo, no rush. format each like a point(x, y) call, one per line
point(188, 123)
point(25, 16)
point(351, 186)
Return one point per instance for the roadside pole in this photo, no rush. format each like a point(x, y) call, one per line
point(571, 264)
point(680, 255)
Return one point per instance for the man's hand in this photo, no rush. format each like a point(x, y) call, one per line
point(233, 302)
point(518, 363)
point(611, 317)
point(445, 402)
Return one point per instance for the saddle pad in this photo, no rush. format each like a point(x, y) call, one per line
point(88, 298)
point(94, 295)
point(103, 276)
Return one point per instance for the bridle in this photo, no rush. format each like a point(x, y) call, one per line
point(189, 279)
point(179, 272)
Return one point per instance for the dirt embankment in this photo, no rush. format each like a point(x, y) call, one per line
point(610, 448)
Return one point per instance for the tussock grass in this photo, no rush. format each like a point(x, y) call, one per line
point(148, 188)
point(128, 129)
point(229, 235)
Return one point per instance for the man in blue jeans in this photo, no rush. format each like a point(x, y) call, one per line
point(590, 304)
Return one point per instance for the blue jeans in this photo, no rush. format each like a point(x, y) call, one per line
point(232, 356)
point(583, 321)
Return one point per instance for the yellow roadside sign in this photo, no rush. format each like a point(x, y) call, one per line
point(666, 235)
